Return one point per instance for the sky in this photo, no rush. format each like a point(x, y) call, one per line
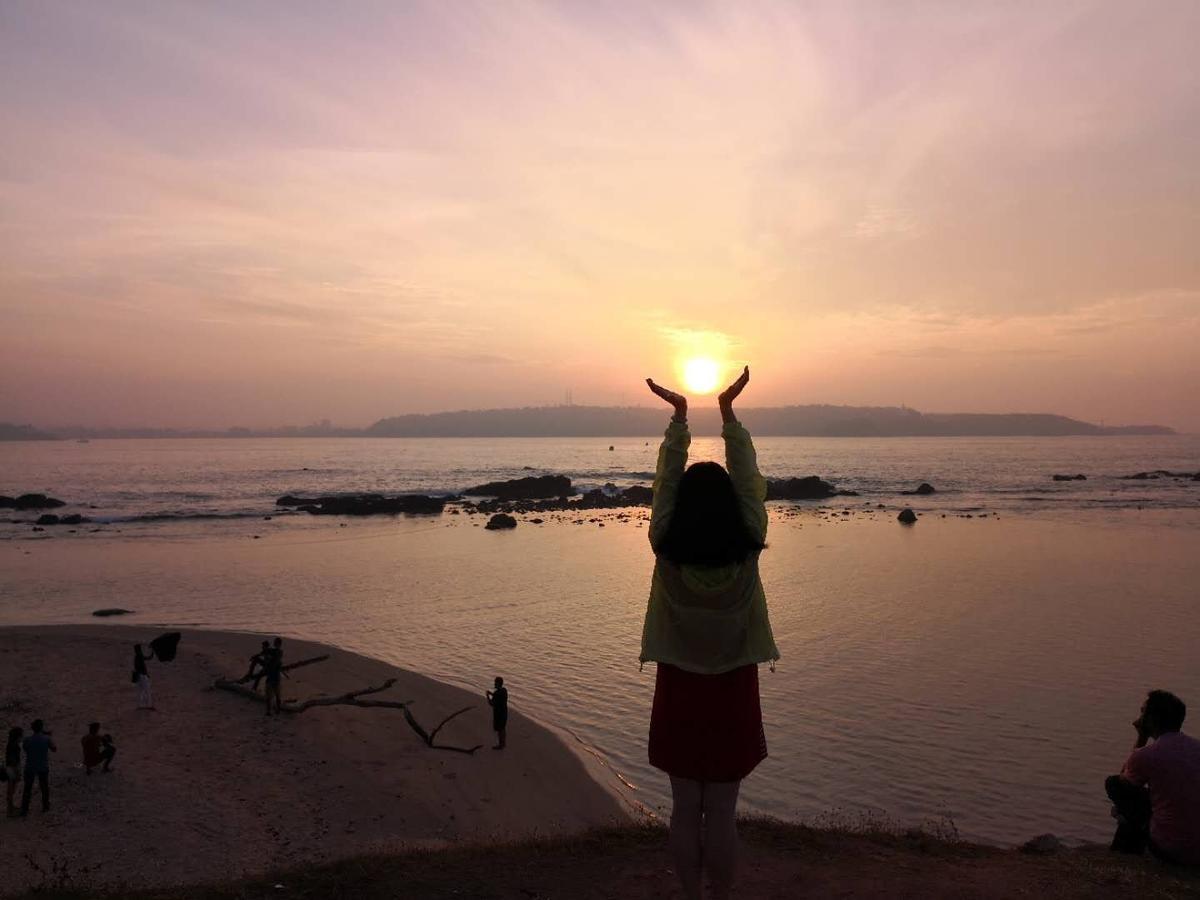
point(216, 214)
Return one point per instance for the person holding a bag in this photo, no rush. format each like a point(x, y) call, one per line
point(141, 677)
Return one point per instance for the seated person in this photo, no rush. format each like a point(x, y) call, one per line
point(92, 753)
point(1156, 798)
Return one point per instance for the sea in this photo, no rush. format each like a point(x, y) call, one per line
point(975, 673)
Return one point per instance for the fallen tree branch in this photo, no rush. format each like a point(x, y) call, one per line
point(352, 698)
point(289, 667)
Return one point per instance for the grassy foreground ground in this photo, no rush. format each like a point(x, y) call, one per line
point(777, 861)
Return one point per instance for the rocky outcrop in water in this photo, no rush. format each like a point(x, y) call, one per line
point(906, 517)
point(113, 611)
point(30, 501)
point(1160, 473)
point(923, 489)
point(637, 495)
point(365, 504)
point(810, 488)
point(1069, 477)
point(500, 521)
point(537, 487)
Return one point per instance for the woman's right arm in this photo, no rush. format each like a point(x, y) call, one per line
point(672, 460)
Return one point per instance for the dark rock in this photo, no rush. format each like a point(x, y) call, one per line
point(537, 521)
point(1043, 844)
point(531, 488)
point(8, 502)
point(1160, 473)
point(48, 519)
point(500, 520)
point(37, 501)
point(923, 488)
point(810, 488)
point(289, 500)
point(907, 516)
point(638, 495)
point(365, 505)
point(114, 611)
point(1069, 477)
point(73, 519)
point(35, 528)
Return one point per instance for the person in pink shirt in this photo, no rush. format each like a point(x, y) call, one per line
point(1156, 798)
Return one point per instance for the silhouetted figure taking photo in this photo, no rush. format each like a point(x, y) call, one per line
point(498, 701)
point(1156, 798)
point(707, 629)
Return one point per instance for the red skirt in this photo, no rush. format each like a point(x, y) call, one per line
point(707, 727)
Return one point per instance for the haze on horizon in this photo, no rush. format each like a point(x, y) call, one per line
point(218, 214)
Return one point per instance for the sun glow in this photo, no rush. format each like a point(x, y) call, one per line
point(701, 375)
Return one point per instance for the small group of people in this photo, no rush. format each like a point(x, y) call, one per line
point(267, 666)
point(99, 750)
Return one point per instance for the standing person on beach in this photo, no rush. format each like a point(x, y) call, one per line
point(498, 701)
point(707, 629)
point(273, 671)
point(12, 766)
point(141, 675)
point(1156, 798)
point(258, 665)
point(38, 747)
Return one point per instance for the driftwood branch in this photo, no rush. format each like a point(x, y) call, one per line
point(352, 698)
point(289, 667)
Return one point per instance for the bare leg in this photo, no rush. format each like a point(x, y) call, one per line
point(720, 835)
point(687, 807)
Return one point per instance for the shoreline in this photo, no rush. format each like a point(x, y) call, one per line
point(209, 789)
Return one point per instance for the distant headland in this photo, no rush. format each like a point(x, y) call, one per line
point(816, 420)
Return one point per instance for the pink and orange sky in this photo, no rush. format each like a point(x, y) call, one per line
point(227, 213)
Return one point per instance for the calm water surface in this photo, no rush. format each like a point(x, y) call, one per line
point(981, 669)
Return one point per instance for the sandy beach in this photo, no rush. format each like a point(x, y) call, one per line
point(206, 788)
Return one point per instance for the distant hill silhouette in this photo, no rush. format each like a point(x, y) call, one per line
point(11, 432)
point(637, 421)
point(806, 421)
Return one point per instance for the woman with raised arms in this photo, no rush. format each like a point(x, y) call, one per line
point(707, 629)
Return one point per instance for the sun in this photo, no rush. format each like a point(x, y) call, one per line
point(701, 375)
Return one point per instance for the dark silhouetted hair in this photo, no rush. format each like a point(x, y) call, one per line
point(14, 735)
point(37, 726)
point(707, 527)
point(94, 728)
point(499, 681)
point(1166, 709)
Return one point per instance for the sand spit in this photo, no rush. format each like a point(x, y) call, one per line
point(208, 789)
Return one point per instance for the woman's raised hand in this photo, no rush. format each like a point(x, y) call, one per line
point(726, 397)
point(676, 400)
